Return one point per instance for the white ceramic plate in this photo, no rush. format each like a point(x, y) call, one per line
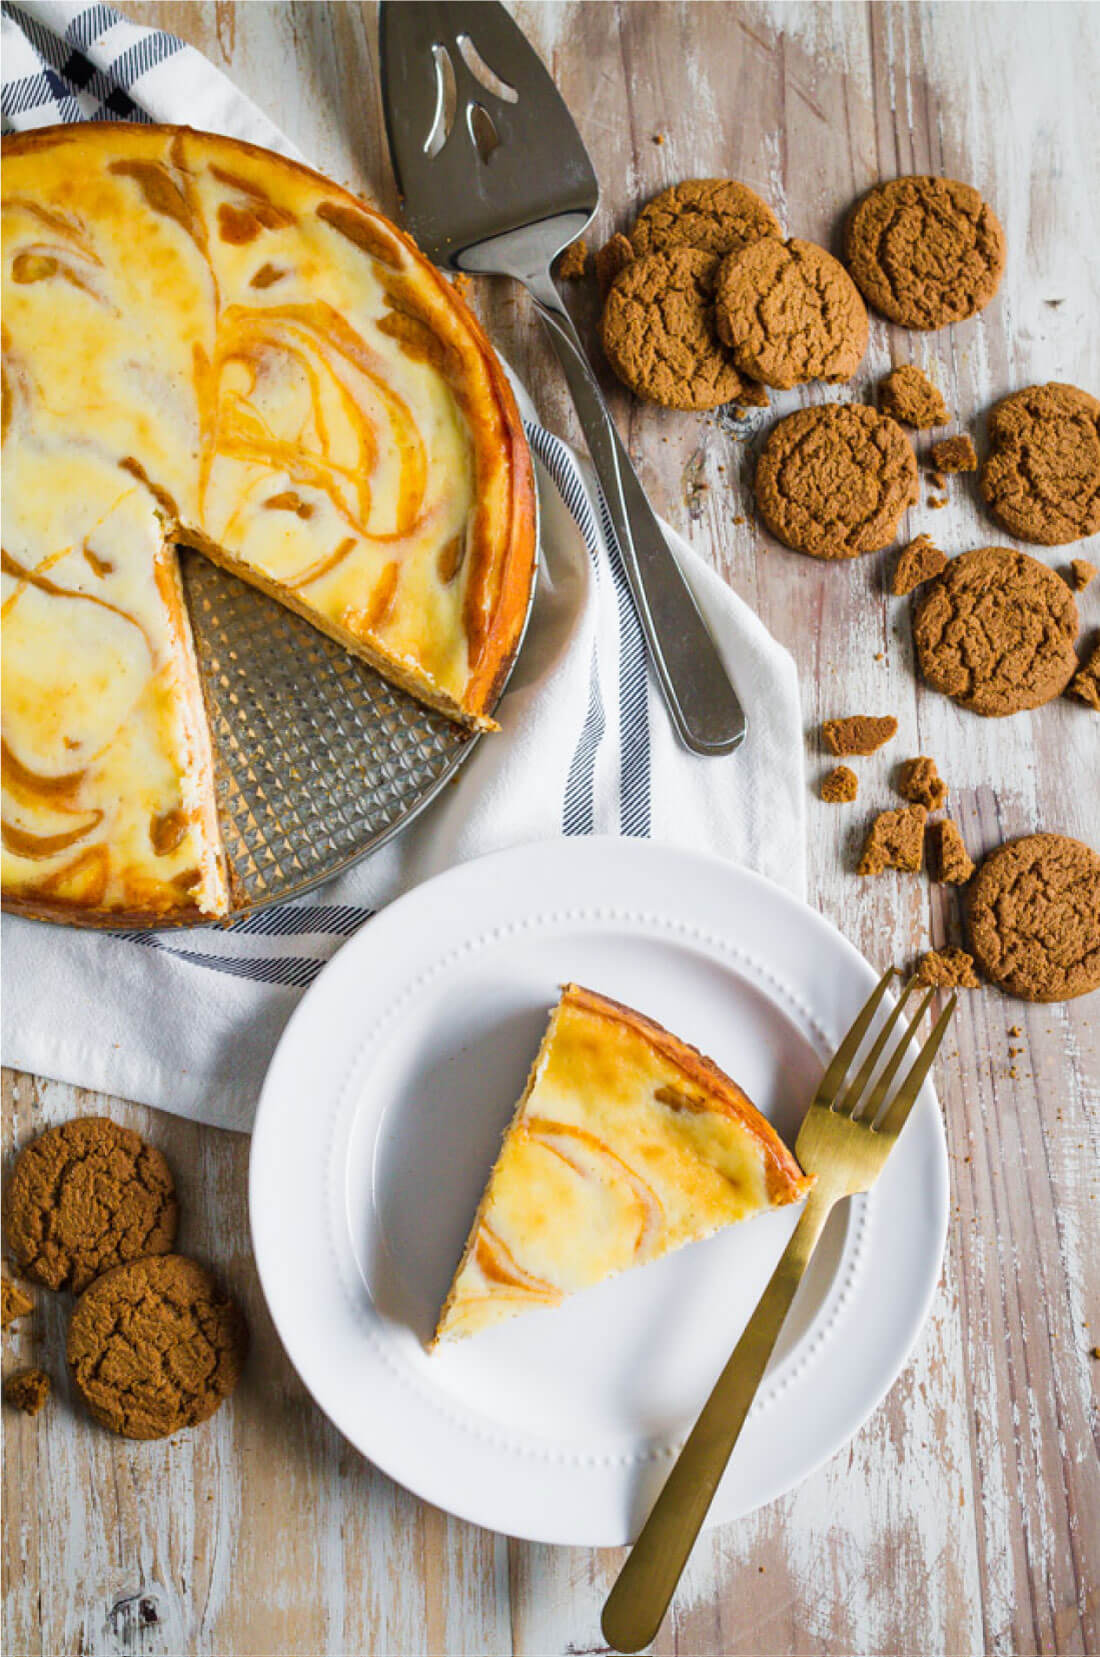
point(381, 1115)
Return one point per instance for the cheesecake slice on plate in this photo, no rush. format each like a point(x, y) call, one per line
point(626, 1144)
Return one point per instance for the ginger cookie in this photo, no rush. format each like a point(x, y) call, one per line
point(14, 1303)
point(1042, 478)
point(946, 969)
point(921, 782)
point(155, 1345)
point(996, 632)
point(85, 1196)
point(1085, 684)
point(917, 563)
point(895, 840)
point(715, 214)
point(954, 454)
point(858, 733)
point(789, 313)
point(951, 860)
point(1034, 917)
point(909, 396)
point(658, 331)
point(925, 251)
point(1081, 572)
point(28, 1390)
point(839, 786)
point(834, 481)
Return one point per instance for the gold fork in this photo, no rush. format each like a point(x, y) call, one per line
point(845, 1140)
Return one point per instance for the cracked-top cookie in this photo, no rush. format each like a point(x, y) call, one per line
point(1042, 478)
point(716, 214)
point(996, 632)
point(790, 313)
point(86, 1196)
point(155, 1346)
point(833, 482)
point(1034, 916)
point(658, 331)
point(925, 251)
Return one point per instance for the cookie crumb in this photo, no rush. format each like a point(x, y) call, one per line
point(946, 969)
point(1081, 572)
point(611, 258)
point(908, 395)
point(935, 506)
point(920, 781)
point(658, 137)
point(859, 733)
point(14, 1303)
point(574, 261)
point(839, 786)
point(895, 840)
point(953, 863)
point(28, 1390)
point(1085, 684)
point(917, 563)
point(954, 454)
point(1014, 1030)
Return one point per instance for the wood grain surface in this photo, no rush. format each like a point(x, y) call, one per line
point(965, 1516)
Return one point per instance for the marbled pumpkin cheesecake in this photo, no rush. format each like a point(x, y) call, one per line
point(626, 1144)
point(206, 343)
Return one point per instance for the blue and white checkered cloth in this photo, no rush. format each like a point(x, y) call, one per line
point(188, 1020)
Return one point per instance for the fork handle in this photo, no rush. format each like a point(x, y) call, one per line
point(637, 1603)
point(703, 703)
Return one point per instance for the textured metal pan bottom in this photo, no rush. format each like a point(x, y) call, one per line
point(318, 759)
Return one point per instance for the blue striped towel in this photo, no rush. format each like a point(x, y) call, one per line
point(188, 1020)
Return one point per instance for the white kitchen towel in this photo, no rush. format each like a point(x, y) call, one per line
point(188, 1020)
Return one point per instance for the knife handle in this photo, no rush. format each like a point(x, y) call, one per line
point(704, 706)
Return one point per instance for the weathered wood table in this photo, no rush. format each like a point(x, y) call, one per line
point(965, 1517)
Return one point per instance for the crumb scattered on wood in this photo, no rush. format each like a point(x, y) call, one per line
point(839, 786)
point(859, 733)
point(28, 1390)
point(895, 840)
point(920, 781)
point(947, 969)
point(954, 454)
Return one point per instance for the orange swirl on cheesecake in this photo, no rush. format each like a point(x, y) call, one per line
point(626, 1144)
point(204, 342)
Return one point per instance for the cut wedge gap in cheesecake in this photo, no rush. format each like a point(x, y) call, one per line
point(626, 1144)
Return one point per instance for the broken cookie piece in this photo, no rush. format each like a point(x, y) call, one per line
point(946, 969)
point(574, 261)
point(860, 733)
point(1081, 573)
point(895, 840)
point(612, 257)
point(955, 454)
point(1085, 684)
point(920, 781)
point(839, 786)
point(917, 563)
point(28, 1390)
point(908, 395)
point(951, 860)
point(13, 1302)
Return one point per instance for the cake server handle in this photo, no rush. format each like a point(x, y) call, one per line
point(704, 706)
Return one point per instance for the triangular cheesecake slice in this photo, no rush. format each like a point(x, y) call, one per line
point(626, 1144)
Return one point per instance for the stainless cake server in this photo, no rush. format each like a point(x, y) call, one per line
point(495, 180)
